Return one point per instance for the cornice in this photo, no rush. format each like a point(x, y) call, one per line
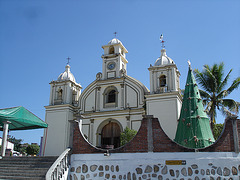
point(137, 111)
point(164, 95)
point(60, 106)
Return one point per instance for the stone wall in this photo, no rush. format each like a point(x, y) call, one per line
point(151, 138)
point(140, 166)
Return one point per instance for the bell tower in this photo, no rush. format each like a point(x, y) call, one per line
point(65, 90)
point(63, 102)
point(114, 60)
point(164, 75)
point(164, 100)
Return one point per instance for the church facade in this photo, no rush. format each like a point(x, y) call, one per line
point(112, 102)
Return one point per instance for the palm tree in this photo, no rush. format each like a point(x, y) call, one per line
point(213, 91)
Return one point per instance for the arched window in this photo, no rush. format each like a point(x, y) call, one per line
point(111, 96)
point(162, 81)
point(59, 95)
point(111, 50)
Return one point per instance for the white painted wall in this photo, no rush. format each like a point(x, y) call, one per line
point(9, 144)
point(198, 163)
point(57, 135)
point(166, 107)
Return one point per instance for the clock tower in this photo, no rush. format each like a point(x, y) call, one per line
point(114, 60)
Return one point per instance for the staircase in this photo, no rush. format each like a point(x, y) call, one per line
point(25, 167)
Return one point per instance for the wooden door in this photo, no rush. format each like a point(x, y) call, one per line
point(111, 135)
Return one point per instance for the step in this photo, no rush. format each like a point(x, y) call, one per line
point(18, 178)
point(23, 174)
point(30, 165)
point(25, 167)
point(39, 170)
point(22, 168)
point(47, 158)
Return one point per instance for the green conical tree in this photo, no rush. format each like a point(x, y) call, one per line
point(213, 91)
point(193, 129)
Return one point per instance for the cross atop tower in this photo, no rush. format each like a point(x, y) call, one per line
point(68, 60)
point(115, 34)
point(162, 41)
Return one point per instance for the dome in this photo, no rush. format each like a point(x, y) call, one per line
point(163, 59)
point(114, 41)
point(66, 75)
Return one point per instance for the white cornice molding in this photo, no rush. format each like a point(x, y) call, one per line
point(125, 112)
point(166, 95)
point(60, 106)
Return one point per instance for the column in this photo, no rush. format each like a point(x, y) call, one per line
point(68, 94)
point(122, 96)
point(235, 134)
point(153, 81)
point(4, 139)
point(98, 99)
point(91, 131)
point(174, 80)
point(53, 95)
point(64, 95)
point(168, 80)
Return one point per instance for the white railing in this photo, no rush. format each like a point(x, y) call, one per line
point(59, 169)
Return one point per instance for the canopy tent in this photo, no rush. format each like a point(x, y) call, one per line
point(18, 118)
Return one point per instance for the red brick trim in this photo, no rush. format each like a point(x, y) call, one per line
point(161, 142)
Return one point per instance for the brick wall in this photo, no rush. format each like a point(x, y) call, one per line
point(160, 141)
point(225, 143)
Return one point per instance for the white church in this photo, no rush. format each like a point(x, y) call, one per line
point(112, 102)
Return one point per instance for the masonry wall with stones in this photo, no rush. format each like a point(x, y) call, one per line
point(140, 166)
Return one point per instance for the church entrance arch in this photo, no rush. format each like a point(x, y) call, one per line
point(109, 132)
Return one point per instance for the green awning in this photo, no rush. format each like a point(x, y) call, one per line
point(20, 119)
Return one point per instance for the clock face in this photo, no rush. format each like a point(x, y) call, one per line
point(111, 65)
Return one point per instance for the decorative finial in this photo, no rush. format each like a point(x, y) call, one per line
point(189, 63)
point(162, 41)
point(115, 34)
point(68, 59)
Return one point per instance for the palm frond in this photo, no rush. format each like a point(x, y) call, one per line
point(234, 85)
point(201, 80)
point(210, 78)
point(204, 94)
point(225, 111)
point(224, 82)
point(218, 72)
point(232, 105)
point(222, 94)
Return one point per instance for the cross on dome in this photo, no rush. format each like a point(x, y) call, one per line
point(68, 59)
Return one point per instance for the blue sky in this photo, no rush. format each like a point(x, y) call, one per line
point(37, 36)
